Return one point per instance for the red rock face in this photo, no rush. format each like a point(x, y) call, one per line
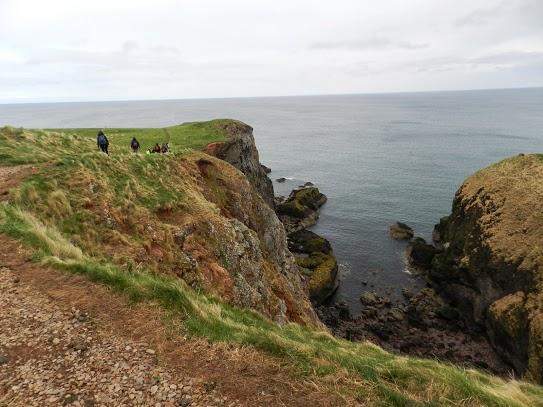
point(214, 149)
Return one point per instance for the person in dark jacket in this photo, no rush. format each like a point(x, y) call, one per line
point(102, 142)
point(134, 145)
point(165, 148)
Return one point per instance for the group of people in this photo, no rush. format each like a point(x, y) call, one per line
point(159, 149)
point(103, 145)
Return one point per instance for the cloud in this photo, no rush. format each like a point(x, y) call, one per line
point(481, 16)
point(510, 58)
point(129, 46)
point(373, 43)
point(210, 48)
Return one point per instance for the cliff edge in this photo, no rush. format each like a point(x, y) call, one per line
point(239, 149)
point(184, 214)
point(492, 263)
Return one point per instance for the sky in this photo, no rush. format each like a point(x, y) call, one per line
point(76, 50)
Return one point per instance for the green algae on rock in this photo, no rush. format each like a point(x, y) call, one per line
point(301, 209)
point(315, 258)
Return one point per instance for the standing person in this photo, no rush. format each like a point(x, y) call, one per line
point(135, 145)
point(103, 142)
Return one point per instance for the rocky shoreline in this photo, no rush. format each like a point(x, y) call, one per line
point(424, 324)
point(481, 304)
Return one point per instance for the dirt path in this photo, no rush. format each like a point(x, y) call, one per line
point(12, 176)
point(67, 341)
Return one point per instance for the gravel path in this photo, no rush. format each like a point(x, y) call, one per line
point(51, 357)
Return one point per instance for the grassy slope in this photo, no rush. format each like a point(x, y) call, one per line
point(382, 379)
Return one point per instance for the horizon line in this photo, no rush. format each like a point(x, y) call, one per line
point(21, 102)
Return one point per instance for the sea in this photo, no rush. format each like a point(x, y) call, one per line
point(379, 158)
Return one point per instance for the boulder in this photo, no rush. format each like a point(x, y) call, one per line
point(420, 253)
point(369, 298)
point(305, 241)
point(400, 231)
point(301, 209)
point(316, 261)
point(323, 275)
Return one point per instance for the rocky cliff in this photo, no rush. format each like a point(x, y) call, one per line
point(492, 263)
point(240, 150)
point(186, 214)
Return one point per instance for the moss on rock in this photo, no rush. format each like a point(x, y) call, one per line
point(301, 203)
point(323, 281)
point(305, 241)
point(292, 208)
point(508, 312)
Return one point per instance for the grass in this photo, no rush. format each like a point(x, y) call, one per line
point(52, 214)
point(188, 135)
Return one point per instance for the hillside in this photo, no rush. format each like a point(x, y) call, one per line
point(493, 263)
point(188, 234)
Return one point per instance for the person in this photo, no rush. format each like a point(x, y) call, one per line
point(156, 148)
point(165, 147)
point(134, 145)
point(102, 142)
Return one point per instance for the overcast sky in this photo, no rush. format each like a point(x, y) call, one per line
point(131, 49)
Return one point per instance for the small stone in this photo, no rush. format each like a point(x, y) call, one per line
point(368, 298)
point(56, 341)
point(80, 346)
point(150, 351)
point(154, 389)
point(184, 402)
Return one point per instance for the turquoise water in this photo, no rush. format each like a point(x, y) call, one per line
point(379, 158)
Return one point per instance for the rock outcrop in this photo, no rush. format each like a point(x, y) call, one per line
point(301, 209)
point(400, 231)
point(240, 150)
point(317, 262)
point(492, 263)
point(420, 254)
